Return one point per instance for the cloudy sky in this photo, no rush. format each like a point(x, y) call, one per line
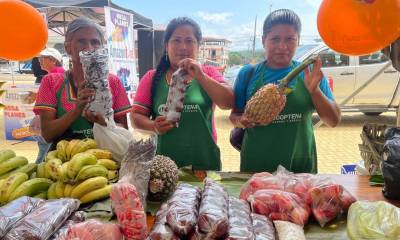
point(231, 19)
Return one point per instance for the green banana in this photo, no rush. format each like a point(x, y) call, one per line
point(100, 153)
point(12, 163)
point(1, 183)
point(42, 195)
point(96, 195)
point(51, 192)
point(87, 186)
point(6, 154)
point(84, 145)
point(10, 185)
point(51, 155)
point(60, 187)
point(31, 188)
point(61, 147)
point(78, 161)
point(108, 163)
point(40, 171)
point(74, 143)
point(90, 171)
point(112, 174)
point(28, 169)
point(53, 167)
point(68, 189)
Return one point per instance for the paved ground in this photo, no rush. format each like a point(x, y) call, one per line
point(335, 146)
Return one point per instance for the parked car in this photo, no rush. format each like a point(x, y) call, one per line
point(348, 73)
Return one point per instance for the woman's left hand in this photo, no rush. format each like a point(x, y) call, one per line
point(313, 79)
point(94, 118)
point(193, 68)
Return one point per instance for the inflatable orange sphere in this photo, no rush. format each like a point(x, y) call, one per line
point(23, 30)
point(359, 27)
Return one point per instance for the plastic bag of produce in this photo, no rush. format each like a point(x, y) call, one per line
point(44, 221)
point(373, 220)
point(289, 231)
point(76, 217)
point(135, 167)
point(94, 230)
point(262, 227)
point(280, 205)
point(258, 181)
point(240, 224)
point(391, 163)
point(160, 230)
point(183, 208)
point(14, 211)
point(112, 138)
point(129, 210)
point(213, 212)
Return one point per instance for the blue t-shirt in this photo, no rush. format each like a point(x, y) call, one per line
point(244, 88)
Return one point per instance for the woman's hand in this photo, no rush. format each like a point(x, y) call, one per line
point(313, 79)
point(84, 96)
point(193, 69)
point(94, 117)
point(161, 125)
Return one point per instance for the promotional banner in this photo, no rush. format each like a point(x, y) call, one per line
point(121, 48)
point(18, 111)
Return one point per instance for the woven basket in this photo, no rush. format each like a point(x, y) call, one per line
point(371, 149)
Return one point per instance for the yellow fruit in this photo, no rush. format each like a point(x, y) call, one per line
point(90, 171)
point(100, 153)
point(51, 155)
point(61, 148)
point(60, 187)
point(10, 185)
point(71, 145)
point(112, 174)
point(87, 186)
point(83, 146)
point(31, 188)
point(12, 163)
point(96, 195)
point(78, 161)
point(108, 163)
point(40, 171)
point(68, 189)
point(51, 192)
point(28, 169)
point(53, 167)
point(6, 154)
point(64, 171)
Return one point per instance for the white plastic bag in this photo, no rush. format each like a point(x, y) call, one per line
point(112, 138)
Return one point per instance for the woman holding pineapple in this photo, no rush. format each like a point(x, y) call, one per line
point(194, 141)
point(289, 139)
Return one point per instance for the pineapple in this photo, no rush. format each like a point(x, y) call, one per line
point(269, 100)
point(163, 178)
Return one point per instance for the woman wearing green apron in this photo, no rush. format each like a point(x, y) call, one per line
point(193, 143)
point(289, 139)
point(62, 98)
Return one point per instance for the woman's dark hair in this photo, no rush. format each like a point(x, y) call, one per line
point(281, 16)
point(164, 62)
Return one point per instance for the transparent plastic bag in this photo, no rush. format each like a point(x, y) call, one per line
point(14, 211)
point(213, 211)
point(44, 221)
point(263, 227)
point(94, 230)
point(76, 217)
point(136, 164)
point(112, 138)
point(128, 207)
point(240, 224)
point(160, 230)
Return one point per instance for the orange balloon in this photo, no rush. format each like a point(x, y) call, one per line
point(23, 30)
point(359, 27)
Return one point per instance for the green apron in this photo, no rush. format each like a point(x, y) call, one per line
point(81, 127)
point(191, 143)
point(288, 141)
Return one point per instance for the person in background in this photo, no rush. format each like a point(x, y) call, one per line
point(37, 70)
point(193, 143)
point(51, 60)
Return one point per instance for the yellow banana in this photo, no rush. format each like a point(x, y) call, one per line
point(108, 163)
point(78, 161)
point(63, 172)
point(6, 154)
point(51, 192)
point(96, 195)
point(90, 171)
point(68, 189)
point(61, 147)
point(28, 169)
point(1, 183)
point(85, 144)
point(42, 195)
point(31, 188)
point(12, 163)
point(10, 185)
point(112, 174)
point(71, 145)
point(53, 167)
point(87, 186)
point(40, 171)
point(100, 153)
point(60, 187)
point(51, 155)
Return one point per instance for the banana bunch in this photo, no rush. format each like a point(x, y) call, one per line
point(67, 149)
point(10, 164)
point(19, 184)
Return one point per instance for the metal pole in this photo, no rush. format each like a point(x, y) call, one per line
point(358, 90)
